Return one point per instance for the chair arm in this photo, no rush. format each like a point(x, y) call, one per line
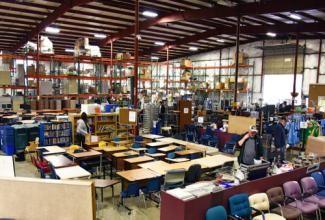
point(291, 198)
point(321, 187)
point(260, 212)
point(278, 205)
point(235, 217)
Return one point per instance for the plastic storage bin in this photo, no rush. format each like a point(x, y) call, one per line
point(20, 137)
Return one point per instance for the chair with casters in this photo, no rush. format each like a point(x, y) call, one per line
point(152, 189)
point(193, 174)
point(310, 190)
point(133, 190)
point(174, 178)
point(278, 201)
point(319, 178)
point(239, 206)
point(260, 202)
point(217, 212)
point(293, 192)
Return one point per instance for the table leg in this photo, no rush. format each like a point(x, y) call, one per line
point(102, 192)
point(111, 174)
point(100, 164)
point(113, 194)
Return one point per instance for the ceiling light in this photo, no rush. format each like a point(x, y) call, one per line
point(150, 14)
point(155, 58)
point(193, 48)
point(220, 40)
point(159, 43)
point(52, 30)
point(271, 34)
point(69, 50)
point(294, 16)
point(100, 36)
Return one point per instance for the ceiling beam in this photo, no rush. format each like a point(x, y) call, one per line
point(64, 7)
point(219, 11)
point(280, 29)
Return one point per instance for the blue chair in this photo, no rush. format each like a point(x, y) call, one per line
point(217, 212)
point(53, 173)
point(116, 139)
point(204, 139)
point(152, 150)
point(179, 149)
point(190, 137)
point(195, 156)
point(239, 206)
point(133, 190)
point(171, 155)
point(319, 178)
point(153, 187)
point(213, 142)
point(136, 145)
point(138, 138)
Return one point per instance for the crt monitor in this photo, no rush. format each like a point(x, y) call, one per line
point(200, 119)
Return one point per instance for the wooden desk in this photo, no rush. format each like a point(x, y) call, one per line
point(158, 144)
point(59, 161)
point(187, 152)
point(109, 151)
point(49, 150)
point(118, 158)
point(132, 163)
point(151, 136)
point(157, 156)
point(157, 166)
point(173, 141)
point(77, 157)
point(214, 161)
point(71, 172)
point(119, 143)
point(139, 175)
point(168, 149)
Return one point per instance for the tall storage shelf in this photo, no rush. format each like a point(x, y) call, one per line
point(55, 133)
point(104, 125)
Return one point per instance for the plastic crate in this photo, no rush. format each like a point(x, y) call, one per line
point(8, 149)
point(20, 137)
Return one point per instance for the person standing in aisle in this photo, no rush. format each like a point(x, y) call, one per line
point(82, 129)
point(162, 112)
point(279, 134)
point(250, 147)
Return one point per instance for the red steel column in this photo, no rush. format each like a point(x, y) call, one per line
point(237, 58)
point(111, 71)
point(37, 71)
point(167, 70)
point(136, 53)
point(319, 59)
point(295, 73)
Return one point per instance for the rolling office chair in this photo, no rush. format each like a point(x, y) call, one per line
point(319, 178)
point(309, 187)
point(193, 174)
point(217, 212)
point(174, 178)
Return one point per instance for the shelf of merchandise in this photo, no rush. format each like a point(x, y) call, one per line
point(104, 125)
point(55, 133)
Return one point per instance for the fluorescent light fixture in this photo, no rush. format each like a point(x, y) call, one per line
point(271, 34)
point(69, 50)
point(150, 14)
point(221, 40)
point(100, 36)
point(52, 30)
point(193, 48)
point(159, 43)
point(294, 16)
point(154, 58)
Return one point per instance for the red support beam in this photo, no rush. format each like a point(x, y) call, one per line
point(319, 59)
point(64, 7)
point(293, 94)
point(237, 60)
point(136, 53)
point(219, 11)
point(280, 29)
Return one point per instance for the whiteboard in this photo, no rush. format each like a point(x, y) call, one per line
point(7, 166)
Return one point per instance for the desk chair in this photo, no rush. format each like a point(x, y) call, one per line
point(174, 178)
point(193, 174)
point(195, 156)
point(217, 212)
point(152, 189)
point(310, 190)
point(138, 139)
point(131, 191)
point(152, 150)
point(32, 147)
point(116, 138)
point(171, 157)
point(318, 176)
point(239, 206)
point(260, 202)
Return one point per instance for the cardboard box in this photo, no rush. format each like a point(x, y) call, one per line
point(31, 70)
point(186, 63)
point(5, 78)
point(316, 145)
point(91, 139)
point(220, 85)
point(70, 86)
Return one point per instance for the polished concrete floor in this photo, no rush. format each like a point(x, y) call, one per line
point(105, 210)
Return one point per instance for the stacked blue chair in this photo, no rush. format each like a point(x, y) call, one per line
point(217, 212)
point(239, 206)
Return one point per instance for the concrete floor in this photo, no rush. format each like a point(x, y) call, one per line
point(105, 210)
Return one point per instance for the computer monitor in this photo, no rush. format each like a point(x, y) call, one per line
point(200, 119)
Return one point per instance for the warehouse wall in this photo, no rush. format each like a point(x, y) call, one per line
point(254, 57)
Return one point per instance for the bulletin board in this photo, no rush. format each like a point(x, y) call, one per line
point(128, 116)
point(240, 124)
point(315, 91)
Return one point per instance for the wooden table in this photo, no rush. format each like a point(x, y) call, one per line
point(52, 150)
point(168, 149)
point(59, 161)
point(157, 156)
point(118, 158)
point(132, 163)
point(77, 157)
point(187, 152)
point(173, 140)
point(104, 183)
point(136, 175)
point(158, 144)
point(109, 151)
point(158, 166)
point(71, 172)
point(151, 136)
point(121, 143)
point(139, 149)
point(214, 161)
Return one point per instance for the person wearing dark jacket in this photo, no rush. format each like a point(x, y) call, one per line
point(279, 134)
point(250, 147)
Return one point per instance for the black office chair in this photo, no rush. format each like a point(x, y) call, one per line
point(193, 174)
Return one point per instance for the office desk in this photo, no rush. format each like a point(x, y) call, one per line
point(59, 161)
point(137, 175)
point(151, 136)
point(132, 163)
point(71, 172)
point(158, 166)
point(214, 161)
point(158, 144)
point(49, 150)
point(121, 143)
point(77, 157)
point(168, 149)
point(109, 151)
point(118, 158)
point(187, 152)
point(173, 141)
